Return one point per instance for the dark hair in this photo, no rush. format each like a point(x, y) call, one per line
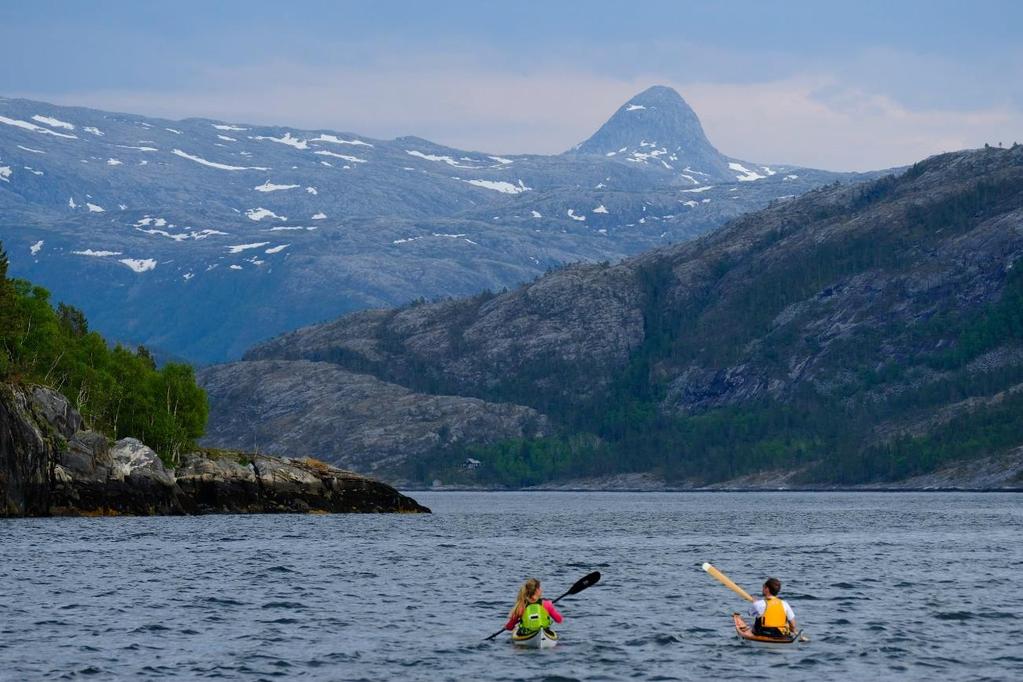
point(773, 586)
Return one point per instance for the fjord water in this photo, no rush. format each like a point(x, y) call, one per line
point(912, 585)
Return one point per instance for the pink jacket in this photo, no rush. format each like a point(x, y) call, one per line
point(548, 605)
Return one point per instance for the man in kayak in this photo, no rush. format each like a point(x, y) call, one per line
point(772, 617)
point(532, 611)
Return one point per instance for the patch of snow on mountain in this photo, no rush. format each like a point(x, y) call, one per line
point(94, 130)
point(270, 187)
point(287, 139)
point(212, 164)
point(139, 265)
point(600, 209)
point(337, 140)
point(291, 228)
point(33, 171)
point(573, 216)
point(435, 157)
point(37, 247)
point(537, 214)
point(311, 190)
point(643, 157)
point(71, 203)
point(610, 154)
point(767, 170)
point(183, 236)
point(237, 267)
point(690, 203)
point(5, 173)
point(226, 138)
point(699, 189)
point(790, 177)
point(53, 122)
point(258, 214)
point(634, 107)
point(34, 128)
point(96, 254)
point(238, 248)
point(113, 162)
point(319, 216)
point(500, 186)
point(747, 174)
point(141, 149)
point(228, 127)
point(187, 276)
point(93, 208)
point(148, 220)
point(29, 149)
point(277, 249)
point(171, 130)
point(352, 159)
point(502, 160)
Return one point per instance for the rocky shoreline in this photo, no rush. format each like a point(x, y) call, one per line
point(51, 466)
point(985, 474)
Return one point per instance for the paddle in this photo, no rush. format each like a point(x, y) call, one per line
point(580, 585)
point(727, 582)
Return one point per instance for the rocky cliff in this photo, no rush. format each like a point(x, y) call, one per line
point(857, 333)
point(51, 466)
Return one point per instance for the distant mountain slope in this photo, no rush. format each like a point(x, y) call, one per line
point(201, 237)
point(858, 333)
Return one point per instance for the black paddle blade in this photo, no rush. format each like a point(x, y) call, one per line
point(584, 582)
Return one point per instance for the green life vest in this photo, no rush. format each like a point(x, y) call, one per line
point(534, 617)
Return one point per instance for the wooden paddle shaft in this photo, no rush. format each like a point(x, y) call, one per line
point(727, 582)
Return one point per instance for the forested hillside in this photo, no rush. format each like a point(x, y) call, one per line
point(119, 392)
point(856, 334)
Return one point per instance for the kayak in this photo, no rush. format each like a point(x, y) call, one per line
point(544, 638)
point(745, 633)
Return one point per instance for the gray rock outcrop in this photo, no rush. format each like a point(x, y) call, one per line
point(50, 466)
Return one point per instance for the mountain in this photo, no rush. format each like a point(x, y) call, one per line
point(657, 127)
point(199, 238)
point(858, 334)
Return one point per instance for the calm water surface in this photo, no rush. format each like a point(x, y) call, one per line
point(913, 586)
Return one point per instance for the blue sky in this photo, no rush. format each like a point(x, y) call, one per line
point(852, 85)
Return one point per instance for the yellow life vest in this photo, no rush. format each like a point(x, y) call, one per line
point(774, 615)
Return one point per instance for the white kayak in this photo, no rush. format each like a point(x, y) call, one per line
point(544, 638)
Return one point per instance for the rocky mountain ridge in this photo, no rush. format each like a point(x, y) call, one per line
point(199, 237)
point(851, 330)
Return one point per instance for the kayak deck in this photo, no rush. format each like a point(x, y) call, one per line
point(544, 638)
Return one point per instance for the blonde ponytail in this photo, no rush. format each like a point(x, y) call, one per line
point(528, 589)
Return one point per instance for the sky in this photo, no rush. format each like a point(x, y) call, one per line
point(842, 86)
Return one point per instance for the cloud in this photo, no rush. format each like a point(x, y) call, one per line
point(814, 119)
point(818, 121)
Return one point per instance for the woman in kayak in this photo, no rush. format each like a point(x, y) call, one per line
point(532, 611)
